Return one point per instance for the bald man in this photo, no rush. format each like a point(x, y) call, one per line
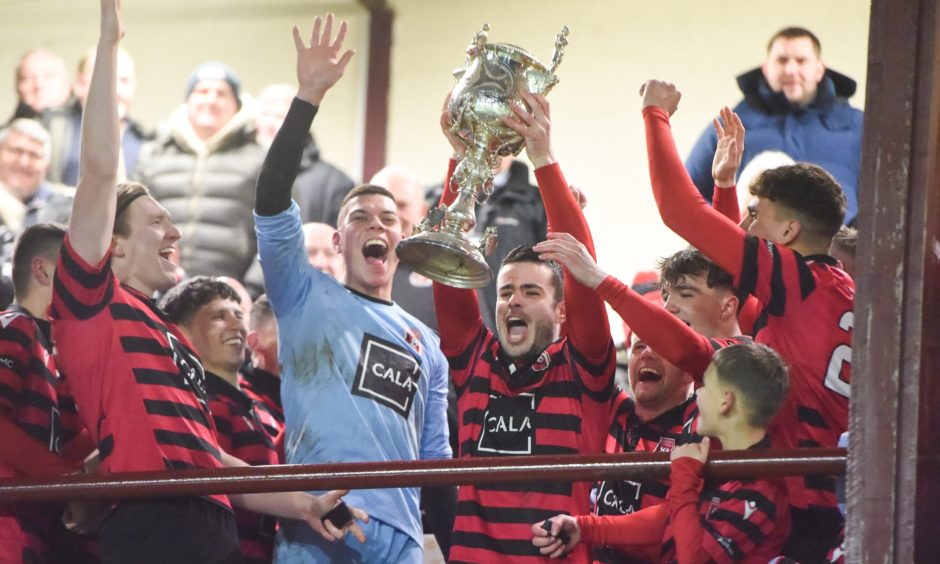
point(42, 82)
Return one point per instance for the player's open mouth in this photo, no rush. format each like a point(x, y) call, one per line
point(649, 375)
point(516, 329)
point(166, 252)
point(375, 251)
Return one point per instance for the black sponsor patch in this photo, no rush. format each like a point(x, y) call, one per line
point(387, 374)
point(619, 497)
point(507, 425)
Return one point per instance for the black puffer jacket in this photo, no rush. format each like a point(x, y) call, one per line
point(209, 190)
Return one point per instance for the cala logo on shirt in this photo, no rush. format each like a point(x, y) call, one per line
point(507, 425)
point(387, 374)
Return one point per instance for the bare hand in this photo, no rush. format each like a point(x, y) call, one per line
point(698, 451)
point(534, 126)
point(549, 544)
point(663, 95)
point(320, 66)
point(730, 148)
point(321, 505)
point(574, 256)
point(111, 28)
point(579, 196)
point(455, 141)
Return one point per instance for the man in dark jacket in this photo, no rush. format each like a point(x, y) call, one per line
point(64, 122)
point(793, 103)
point(202, 168)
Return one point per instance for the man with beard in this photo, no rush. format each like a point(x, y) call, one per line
point(526, 390)
point(699, 317)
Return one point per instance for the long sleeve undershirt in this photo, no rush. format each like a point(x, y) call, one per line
point(681, 205)
point(282, 163)
point(665, 333)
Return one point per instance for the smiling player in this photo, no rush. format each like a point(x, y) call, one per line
point(362, 380)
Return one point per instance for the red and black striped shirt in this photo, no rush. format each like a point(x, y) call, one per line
point(724, 522)
point(265, 388)
point(557, 404)
point(35, 399)
point(806, 302)
point(140, 387)
point(242, 426)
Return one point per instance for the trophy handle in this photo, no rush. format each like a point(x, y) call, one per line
point(561, 41)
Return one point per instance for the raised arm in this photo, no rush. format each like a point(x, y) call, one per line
point(681, 206)
point(664, 332)
point(96, 198)
point(730, 133)
point(319, 67)
point(458, 310)
point(586, 323)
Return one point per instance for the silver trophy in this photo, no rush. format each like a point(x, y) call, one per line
point(440, 247)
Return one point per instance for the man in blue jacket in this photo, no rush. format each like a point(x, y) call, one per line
point(794, 104)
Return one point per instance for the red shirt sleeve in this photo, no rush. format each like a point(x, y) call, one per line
point(681, 206)
point(29, 456)
point(587, 326)
point(725, 202)
point(458, 311)
point(641, 529)
point(664, 332)
point(685, 485)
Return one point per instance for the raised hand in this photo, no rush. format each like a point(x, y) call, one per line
point(455, 141)
point(320, 65)
point(698, 451)
point(534, 126)
point(111, 28)
point(730, 148)
point(321, 505)
point(661, 94)
point(574, 256)
point(549, 543)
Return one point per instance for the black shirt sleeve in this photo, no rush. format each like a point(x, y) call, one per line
point(282, 162)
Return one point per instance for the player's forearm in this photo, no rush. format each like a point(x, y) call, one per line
point(458, 316)
point(681, 206)
point(684, 518)
point(562, 210)
point(665, 333)
point(282, 162)
point(640, 529)
point(95, 200)
point(725, 202)
point(29, 456)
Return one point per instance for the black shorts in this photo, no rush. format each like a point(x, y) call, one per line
point(169, 530)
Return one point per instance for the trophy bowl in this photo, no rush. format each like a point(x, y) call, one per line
point(441, 247)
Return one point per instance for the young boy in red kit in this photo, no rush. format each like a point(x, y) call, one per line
point(733, 521)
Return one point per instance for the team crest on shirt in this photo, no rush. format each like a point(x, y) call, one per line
point(712, 506)
point(665, 444)
point(749, 508)
point(508, 425)
point(387, 374)
point(413, 338)
point(542, 363)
